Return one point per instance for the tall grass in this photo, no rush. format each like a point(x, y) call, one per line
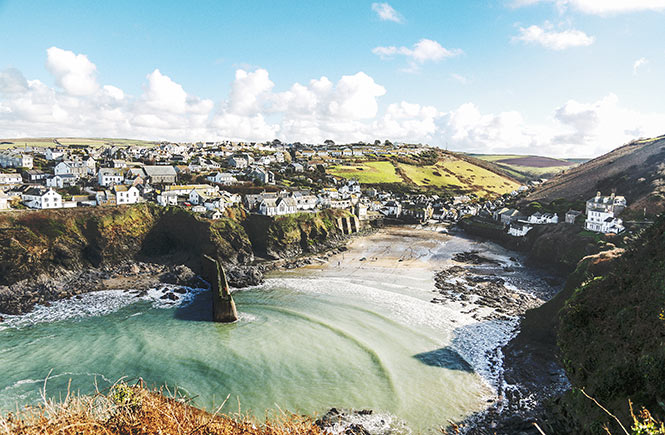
point(127, 409)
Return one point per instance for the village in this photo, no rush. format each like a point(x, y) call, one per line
point(270, 179)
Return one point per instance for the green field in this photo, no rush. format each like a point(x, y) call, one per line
point(458, 174)
point(368, 172)
point(453, 174)
point(92, 142)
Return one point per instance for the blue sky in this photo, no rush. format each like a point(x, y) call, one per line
point(556, 77)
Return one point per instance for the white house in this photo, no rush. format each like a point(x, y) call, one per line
point(41, 198)
point(71, 167)
point(602, 212)
point(109, 176)
point(53, 154)
point(167, 198)
point(223, 178)
point(7, 179)
point(9, 159)
point(519, 229)
point(305, 200)
point(277, 207)
point(543, 218)
point(60, 181)
point(125, 195)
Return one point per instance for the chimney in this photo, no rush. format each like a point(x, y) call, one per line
point(598, 194)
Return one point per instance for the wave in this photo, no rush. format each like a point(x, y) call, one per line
point(102, 303)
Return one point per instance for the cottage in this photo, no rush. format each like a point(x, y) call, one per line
point(602, 212)
point(107, 177)
point(33, 175)
point(214, 214)
point(277, 207)
point(223, 178)
point(126, 195)
point(543, 218)
point(54, 154)
point(519, 229)
point(105, 197)
point(62, 181)
point(8, 179)
point(10, 159)
point(41, 198)
point(71, 167)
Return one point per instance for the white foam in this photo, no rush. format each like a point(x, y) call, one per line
point(376, 423)
point(99, 303)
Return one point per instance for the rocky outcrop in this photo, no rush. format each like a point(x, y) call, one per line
point(223, 306)
point(54, 254)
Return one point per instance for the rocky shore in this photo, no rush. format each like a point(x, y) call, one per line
point(21, 297)
point(527, 369)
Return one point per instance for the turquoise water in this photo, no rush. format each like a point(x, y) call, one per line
point(306, 341)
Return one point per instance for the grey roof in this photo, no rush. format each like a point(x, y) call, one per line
point(159, 171)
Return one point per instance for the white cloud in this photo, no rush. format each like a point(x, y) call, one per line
point(425, 50)
point(73, 72)
point(552, 39)
point(344, 110)
point(386, 12)
point(600, 7)
point(639, 63)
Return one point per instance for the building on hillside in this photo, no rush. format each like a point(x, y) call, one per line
point(126, 195)
point(602, 212)
point(223, 178)
point(105, 197)
point(263, 176)
point(9, 159)
point(392, 209)
point(543, 218)
point(277, 207)
point(160, 174)
point(54, 154)
point(572, 215)
point(41, 198)
point(107, 177)
point(519, 229)
point(71, 167)
point(33, 175)
point(8, 179)
point(62, 181)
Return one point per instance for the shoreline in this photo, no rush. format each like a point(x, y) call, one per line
point(468, 268)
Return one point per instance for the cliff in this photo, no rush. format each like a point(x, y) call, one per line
point(50, 254)
point(560, 246)
point(611, 334)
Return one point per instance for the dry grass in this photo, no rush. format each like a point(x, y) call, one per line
point(134, 410)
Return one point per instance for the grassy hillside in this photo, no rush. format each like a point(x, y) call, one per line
point(125, 409)
point(635, 170)
point(612, 335)
point(442, 171)
point(368, 172)
point(50, 141)
point(526, 168)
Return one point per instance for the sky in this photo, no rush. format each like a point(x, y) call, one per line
point(563, 78)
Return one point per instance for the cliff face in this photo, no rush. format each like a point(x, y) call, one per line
point(55, 241)
point(46, 242)
point(612, 333)
point(560, 246)
point(292, 235)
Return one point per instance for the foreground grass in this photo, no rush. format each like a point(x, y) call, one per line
point(135, 410)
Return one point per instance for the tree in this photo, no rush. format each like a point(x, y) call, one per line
point(329, 142)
